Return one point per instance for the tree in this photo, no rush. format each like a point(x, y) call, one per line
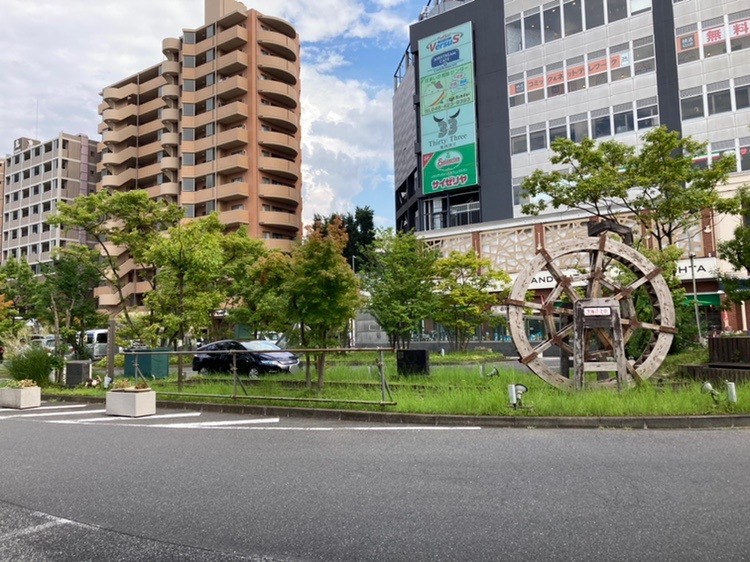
point(659, 186)
point(120, 222)
point(466, 290)
point(21, 287)
point(399, 278)
point(67, 297)
point(360, 230)
point(322, 289)
point(190, 267)
point(737, 252)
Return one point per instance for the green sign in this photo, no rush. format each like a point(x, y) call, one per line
point(447, 110)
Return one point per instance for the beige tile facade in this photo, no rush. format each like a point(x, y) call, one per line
point(214, 127)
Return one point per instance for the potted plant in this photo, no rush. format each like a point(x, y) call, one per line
point(20, 394)
point(131, 399)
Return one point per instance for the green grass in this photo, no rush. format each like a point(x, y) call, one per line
point(458, 390)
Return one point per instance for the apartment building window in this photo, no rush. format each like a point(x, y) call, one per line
point(745, 154)
point(188, 61)
point(719, 98)
point(188, 85)
point(535, 84)
point(601, 125)
point(555, 80)
point(516, 90)
point(739, 30)
point(189, 38)
point(639, 6)
point(538, 136)
point(532, 25)
point(189, 211)
point(514, 35)
point(573, 17)
point(579, 127)
point(596, 67)
point(647, 114)
point(691, 104)
point(616, 10)
point(188, 109)
point(188, 184)
point(643, 54)
point(518, 141)
point(742, 96)
point(713, 37)
point(552, 24)
point(557, 131)
point(188, 134)
point(188, 159)
point(619, 61)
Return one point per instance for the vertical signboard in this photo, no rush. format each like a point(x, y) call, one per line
point(447, 110)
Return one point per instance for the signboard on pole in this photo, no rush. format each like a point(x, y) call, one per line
point(447, 110)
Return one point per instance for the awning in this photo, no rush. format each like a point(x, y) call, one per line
point(705, 299)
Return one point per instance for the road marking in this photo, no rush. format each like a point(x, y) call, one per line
point(52, 522)
point(215, 424)
point(87, 412)
point(321, 429)
point(46, 408)
point(116, 419)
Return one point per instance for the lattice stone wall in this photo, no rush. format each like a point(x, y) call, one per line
point(460, 243)
point(508, 250)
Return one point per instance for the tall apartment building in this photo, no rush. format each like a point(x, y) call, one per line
point(485, 87)
point(213, 127)
point(37, 176)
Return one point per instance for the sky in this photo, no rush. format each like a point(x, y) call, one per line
point(56, 56)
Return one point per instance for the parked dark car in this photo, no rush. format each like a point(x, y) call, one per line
point(216, 357)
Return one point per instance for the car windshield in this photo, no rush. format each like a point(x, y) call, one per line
point(260, 345)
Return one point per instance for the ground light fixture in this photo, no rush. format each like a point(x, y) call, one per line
point(515, 394)
point(731, 392)
point(709, 389)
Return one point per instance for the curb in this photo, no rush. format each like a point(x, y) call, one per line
point(519, 422)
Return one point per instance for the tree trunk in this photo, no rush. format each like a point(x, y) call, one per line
point(320, 366)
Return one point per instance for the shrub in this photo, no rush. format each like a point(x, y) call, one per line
point(33, 363)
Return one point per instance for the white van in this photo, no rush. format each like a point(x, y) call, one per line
point(96, 342)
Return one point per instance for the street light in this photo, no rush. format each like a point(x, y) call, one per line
point(695, 291)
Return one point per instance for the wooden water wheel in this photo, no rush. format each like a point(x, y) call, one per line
point(592, 269)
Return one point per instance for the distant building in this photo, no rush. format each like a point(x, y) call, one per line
point(37, 176)
point(485, 86)
point(213, 127)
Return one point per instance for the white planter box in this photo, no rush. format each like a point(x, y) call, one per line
point(21, 398)
point(131, 403)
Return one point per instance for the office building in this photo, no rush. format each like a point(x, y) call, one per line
point(485, 86)
point(215, 126)
point(37, 176)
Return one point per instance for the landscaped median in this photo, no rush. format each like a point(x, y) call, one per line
point(450, 390)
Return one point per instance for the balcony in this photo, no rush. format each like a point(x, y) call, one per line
point(120, 135)
point(280, 142)
point(281, 193)
point(231, 218)
point(288, 221)
point(153, 84)
point(197, 197)
point(280, 68)
point(232, 113)
point(232, 38)
point(170, 91)
point(278, 91)
point(231, 63)
point(170, 114)
point(169, 163)
point(232, 191)
point(102, 106)
point(148, 172)
point(233, 138)
point(121, 93)
point(149, 150)
point(280, 117)
point(279, 244)
point(232, 87)
point(120, 157)
point(170, 45)
point(279, 43)
point(233, 164)
point(170, 68)
point(169, 189)
point(280, 167)
point(279, 25)
point(115, 181)
point(170, 139)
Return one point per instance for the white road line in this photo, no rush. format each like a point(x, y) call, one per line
point(46, 408)
point(87, 412)
point(215, 424)
point(321, 429)
point(29, 530)
point(115, 419)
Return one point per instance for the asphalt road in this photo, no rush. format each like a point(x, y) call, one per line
point(75, 485)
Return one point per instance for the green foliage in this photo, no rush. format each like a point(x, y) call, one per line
point(659, 185)
point(737, 252)
point(399, 278)
point(20, 294)
point(360, 231)
point(120, 222)
point(466, 289)
point(31, 363)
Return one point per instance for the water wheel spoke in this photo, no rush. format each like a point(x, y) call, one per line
point(525, 304)
point(563, 281)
